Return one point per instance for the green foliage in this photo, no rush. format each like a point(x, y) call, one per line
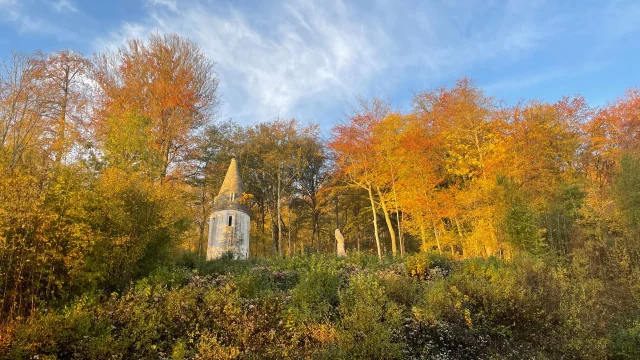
point(315, 297)
point(142, 221)
point(403, 290)
point(628, 188)
point(427, 265)
point(128, 145)
point(368, 320)
point(73, 333)
point(45, 237)
point(521, 227)
point(519, 219)
point(333, 308)
point(71, 233)
point(625, 340)
point(519, 310)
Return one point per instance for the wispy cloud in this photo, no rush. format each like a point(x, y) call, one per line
point(267, 68)
point(170, 4)
point(10, 10)
point(21, 16)
point(276, 61)
point(62, 6)
point(306, 58)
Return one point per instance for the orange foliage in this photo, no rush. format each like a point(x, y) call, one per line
point(168, 81)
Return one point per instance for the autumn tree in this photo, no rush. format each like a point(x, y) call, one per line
point(419, 179)
point(165, 86)
point(65, 77)
point(387, 147)
point(541, 146)
point(355, 154)
point(72, 222)
point(276, 157)
point(312, 176)
point(25, 106)
point(463, 120)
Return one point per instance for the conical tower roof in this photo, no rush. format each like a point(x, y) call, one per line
point(232, 183)
point(230, 195)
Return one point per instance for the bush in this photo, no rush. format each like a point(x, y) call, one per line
point(625, 340)
point(401, 289)
point(75, 333)
point(315, 298)
point(428, 265)
point(337, 308)
point(369, 320)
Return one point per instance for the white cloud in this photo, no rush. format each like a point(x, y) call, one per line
point(20, 16)
point(170, 4)
point(306, 58)
point(267, 68)
point(64, 6)
point(10, 10)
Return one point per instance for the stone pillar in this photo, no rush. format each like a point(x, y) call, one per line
point(340, 242)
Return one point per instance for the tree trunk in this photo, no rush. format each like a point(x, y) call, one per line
point(337, 214)
point(62, 126)
point(274, 230)
point(263, 230)
point(375, 222)
point(201, 237)
point(399, 221)
point(319, 236)
point(458, 226)
point(204, 222)
point(435, 232)
point(313, 226)
point(392, 232)
point(476, 252)
point(289, 230)
point(278, 211)
point(400, 233)
point(274, 238)
point(315, 230)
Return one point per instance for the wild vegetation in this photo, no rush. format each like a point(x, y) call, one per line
point(474, 229)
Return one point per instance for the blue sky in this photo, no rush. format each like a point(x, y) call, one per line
point(309, 59)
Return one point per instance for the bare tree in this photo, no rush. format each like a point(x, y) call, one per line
point(25, 106)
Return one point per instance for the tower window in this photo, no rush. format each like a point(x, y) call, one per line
point(230, 220)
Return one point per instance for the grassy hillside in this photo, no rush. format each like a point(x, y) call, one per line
point(426, 306)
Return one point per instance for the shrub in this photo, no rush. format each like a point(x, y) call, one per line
point(401, 289)
point(210, 348)
point(625, 340)
point(315, 298)
point(529, 307)
point(75, 333)
point(368, 320)
point(427, 265)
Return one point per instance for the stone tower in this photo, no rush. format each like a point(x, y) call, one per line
point(229, 223)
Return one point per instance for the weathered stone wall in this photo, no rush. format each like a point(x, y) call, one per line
point(228, 238)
